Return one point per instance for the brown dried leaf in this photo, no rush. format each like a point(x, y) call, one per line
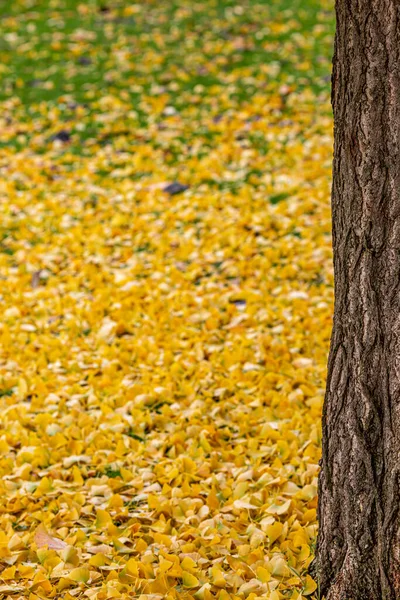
point(43, 538)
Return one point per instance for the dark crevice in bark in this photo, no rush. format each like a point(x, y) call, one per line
point(358, 548)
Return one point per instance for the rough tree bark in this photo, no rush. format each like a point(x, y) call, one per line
point(358, 548)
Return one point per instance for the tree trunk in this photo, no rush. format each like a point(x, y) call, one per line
point(358, 548)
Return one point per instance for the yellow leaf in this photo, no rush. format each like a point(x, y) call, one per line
point(44, 486)
point(159, 585)
point(126, 474)
point(263, 574)
point(112, 591)
point(140, 546)
point(278, 567)
point(308, 492)
point(80, 574)
point(212, 500)
point(8, 573)
point(120, 547)
point(41, 581)
point(70, 555)
point(304, 553)
point(98, 560)
point(103, 519)
point(25, 571)
point(257, 538)
point(309, 587)
point(188, 564)
point(279, 509)
point(22, 388)
point(309, 516)
point(299, 539)
point(204, 442)
point(76, 475)
point(175, 571)
point(189, 580)
point(132, 567)
point(203, 593)
point(217, 577)
point(274, 531)
point(240, 490)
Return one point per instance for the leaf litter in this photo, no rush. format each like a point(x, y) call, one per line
point(166, 301)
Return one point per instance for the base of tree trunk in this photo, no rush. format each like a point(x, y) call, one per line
point(353, 582)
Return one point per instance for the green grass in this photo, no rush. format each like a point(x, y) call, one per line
point(87, 49)
point(113, 73)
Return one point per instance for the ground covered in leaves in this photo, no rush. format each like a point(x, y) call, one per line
point(166, 296)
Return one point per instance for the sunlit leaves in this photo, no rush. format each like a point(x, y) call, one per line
point(166, 298)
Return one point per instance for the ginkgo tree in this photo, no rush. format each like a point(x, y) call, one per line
point(358, 550)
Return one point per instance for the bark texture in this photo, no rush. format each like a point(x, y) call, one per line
point(358, 548)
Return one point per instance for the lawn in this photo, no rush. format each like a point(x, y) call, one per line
point(166, 296)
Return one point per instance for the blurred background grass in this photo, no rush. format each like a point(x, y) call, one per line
point(51, 48)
